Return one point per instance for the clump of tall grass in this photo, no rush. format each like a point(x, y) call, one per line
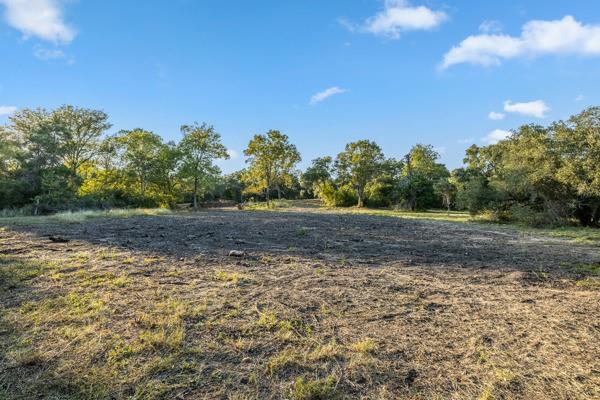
point(79, 216)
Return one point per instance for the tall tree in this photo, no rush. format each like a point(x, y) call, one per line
point(80, 129)
point(272, 159)
point(358, 165)
point(578, 146)
point(319, 171)
point(421, 171)
point(199, 148)
point(139, 151)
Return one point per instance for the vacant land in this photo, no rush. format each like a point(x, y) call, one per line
point(311, 305)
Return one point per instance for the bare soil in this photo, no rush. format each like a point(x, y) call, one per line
point(320, 305)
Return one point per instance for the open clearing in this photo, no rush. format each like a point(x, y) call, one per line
point(320, 305)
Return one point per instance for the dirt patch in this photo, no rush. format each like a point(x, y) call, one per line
point(306, 305)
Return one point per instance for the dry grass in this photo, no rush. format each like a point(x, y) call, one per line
point(82, 216)
point(102, 319)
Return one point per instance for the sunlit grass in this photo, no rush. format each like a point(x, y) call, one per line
point(570, 233)
point(81, 216)
point(272, 205)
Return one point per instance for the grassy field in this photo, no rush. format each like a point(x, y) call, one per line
point(317, 304)
point(572, 233)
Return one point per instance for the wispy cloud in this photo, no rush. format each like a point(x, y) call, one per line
point(233, 155)
point(398, 16)
point(537, 108)
point(39, 18)
point(580, 97)
point(496, 116)
point(325, 94)
point(564, 36)
point(7, 110)
point(490, 26)
point(495, 136)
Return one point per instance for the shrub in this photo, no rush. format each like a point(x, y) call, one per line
point(334, 196)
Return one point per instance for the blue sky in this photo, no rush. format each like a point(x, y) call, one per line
point(323, 72)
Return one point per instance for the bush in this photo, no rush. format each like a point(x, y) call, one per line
point(333, 196)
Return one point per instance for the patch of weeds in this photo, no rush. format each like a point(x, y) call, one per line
point(70, 307)
point(14, 272)
point(301, 232)
point(324, 352)
point(241, 344)
point(483, 356)
point(587, 269)
point(163, 338)
point(363, 346)
point(320, 389)
point(70, 217)
point(283, 360)
point(266, 259)
point(588, 283)
point(540, 274)
point(195, 311)
point(129, 260)
point(108, 254)
point(233, 278)
point(267, 320)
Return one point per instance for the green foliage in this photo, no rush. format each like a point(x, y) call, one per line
point(200, 146)
point(56, 160)
point(539, 175)
point(319, 171)
point(272, 159)
point(334, 196)
point(358, 165)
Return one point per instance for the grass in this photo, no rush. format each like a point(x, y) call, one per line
point(102, 322)
point(363, 346)
point(82, 216)
point(320, 389)
point(272, 205)
point(575, 234)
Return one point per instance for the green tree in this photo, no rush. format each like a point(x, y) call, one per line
point(80, 129)
point(139, 151)
point(421, 171)
point(271, 159)
point(578, 146)
point(199, 148)
point(319, 171)
point(358, 165)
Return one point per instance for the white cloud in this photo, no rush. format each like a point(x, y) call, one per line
point(319, 97)
point(564, 36)
point(495, 136)
point(496, 116)
point(536, 108)
point(233, 155)
point(7, 110)
point(490, 27)
point(39, 18)
point(398, 16)
point(48, 54)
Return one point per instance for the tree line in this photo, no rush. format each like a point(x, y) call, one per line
point(60, 159)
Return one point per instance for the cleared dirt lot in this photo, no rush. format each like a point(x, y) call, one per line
point(319, 306)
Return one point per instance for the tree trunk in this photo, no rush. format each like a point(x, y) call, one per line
point(278, 192)
point(195, 193)
point(268, 195)
point(359, 194)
